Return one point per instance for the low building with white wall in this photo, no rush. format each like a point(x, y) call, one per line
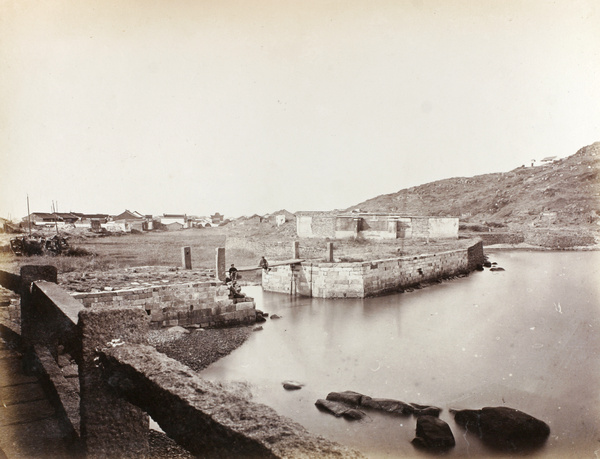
point(374, 226)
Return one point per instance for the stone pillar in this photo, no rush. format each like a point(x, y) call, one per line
point(220, 263)
point(295, 250)
point(330, 252)
point(110, 426)
point(186, 257)
point(30, 274)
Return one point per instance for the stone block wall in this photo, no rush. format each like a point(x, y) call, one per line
point(315, 225)
point(376, 226)
point(260, 246)
point(206, 304)
point(491, 238)
point(558, 239)
point(363, 279)
point(10, 308)
point(392, 275)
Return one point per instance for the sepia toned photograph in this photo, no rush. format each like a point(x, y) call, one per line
point(299, 229)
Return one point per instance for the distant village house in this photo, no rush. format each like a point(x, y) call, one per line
point(217, 219)
point(173, 222)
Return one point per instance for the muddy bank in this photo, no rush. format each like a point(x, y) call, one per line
point(198, 348)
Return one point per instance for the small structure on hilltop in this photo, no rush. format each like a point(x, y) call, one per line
point(374, 226)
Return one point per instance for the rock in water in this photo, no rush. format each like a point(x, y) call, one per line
point(425, 410)
point(387, 405)
point(348, 397)
point(433, 433)
point(292, 385)
point(339, 409)
point(504, 428)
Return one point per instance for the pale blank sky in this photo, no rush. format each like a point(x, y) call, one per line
point(246, 107)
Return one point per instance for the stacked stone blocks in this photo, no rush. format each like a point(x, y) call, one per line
point(363, 279)
point(205, 304)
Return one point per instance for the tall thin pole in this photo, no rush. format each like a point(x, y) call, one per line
point(28, 215)
point(54, 211)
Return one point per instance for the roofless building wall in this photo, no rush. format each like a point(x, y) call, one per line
point(373, 226)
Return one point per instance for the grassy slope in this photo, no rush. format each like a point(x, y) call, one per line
point(570, 187)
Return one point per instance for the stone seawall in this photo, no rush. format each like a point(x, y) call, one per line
point(206, 304)
point(492, 238)
point(543, 238)
point(364, 279)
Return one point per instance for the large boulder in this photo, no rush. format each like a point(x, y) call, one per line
point(348, 397)
point(425, 410)
point(504, 428)
point(433, 433)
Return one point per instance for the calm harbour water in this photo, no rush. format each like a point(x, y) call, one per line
point(527, 337)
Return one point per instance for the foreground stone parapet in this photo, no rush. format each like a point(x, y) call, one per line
point(110, 425)
point(206, 419)
point(504, 428)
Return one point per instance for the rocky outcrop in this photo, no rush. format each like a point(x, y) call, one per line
point(385, 405)
point(433, 433)
point(504, 428)
point(339, 409)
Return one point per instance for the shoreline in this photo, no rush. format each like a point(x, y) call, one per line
point(199, 348)
point(537, 248)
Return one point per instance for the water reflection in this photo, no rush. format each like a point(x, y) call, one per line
point(526, 337)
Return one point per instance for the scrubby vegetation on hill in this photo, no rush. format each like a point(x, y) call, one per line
point(565, 193)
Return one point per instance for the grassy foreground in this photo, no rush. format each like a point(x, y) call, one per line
point(96, 253)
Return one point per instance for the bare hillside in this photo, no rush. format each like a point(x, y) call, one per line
point(565, 193)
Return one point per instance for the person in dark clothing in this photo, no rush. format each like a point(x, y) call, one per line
point(233, 272)
point(264, 264)
point(236, 291)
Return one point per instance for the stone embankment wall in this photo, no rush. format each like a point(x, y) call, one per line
point(492, 238)
point(206, 304)
point(559, 239)
point(363, 279)
point(543, 238)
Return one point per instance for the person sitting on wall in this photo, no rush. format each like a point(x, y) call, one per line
point(264, 264)
point(236, 291)
point(233, 272)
